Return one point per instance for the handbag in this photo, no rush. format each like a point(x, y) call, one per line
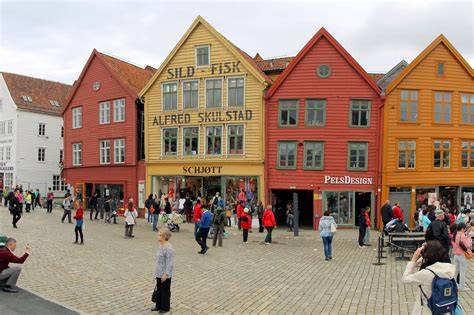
point(333, 228)
point(154, 295)
point(468, 254)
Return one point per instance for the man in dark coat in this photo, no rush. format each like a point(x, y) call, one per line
point(387, 214)
point(438, 231)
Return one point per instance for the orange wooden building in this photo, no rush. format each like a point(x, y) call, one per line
point(428, 140)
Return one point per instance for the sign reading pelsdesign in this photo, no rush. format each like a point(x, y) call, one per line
point(348, 180)
point(204, 117)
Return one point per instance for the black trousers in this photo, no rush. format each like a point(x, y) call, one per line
point(245, 234)
point(362, 230)
point(16, 217)
point(164, 294)
point(268, 238)
point(92, 212)
point(49, 206)
point(260, 226)
point(201, 237)
point(78, 231)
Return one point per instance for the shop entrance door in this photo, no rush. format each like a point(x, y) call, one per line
point(305, 206)
point(362, 200)
point(448, 196)
point(211, 185)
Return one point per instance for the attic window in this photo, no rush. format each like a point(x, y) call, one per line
point(203, 56)
point(323, 71)
point(440, 68)
point(54, 103)
point(27, 98)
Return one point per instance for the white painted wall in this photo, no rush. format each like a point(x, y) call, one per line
point(8, 112)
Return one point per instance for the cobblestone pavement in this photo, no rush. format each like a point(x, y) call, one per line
point(113, 275)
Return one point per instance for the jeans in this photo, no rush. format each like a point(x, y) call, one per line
point(164, 294)
point(114, 216)
point(107, 217)
point(268, 238)
point(155, 222)
point(149, 216)
point(289, 221)
point(67, 213)
point(245, 235)
point(195, 229)
point(327, 242)
point(362, 230)
point(201, 237)
point(49, 206)
point(460, 262)
point(367, 236)
point(78, 231)
point(217, 238)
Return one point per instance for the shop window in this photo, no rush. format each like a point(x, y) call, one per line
point(213, 140)
point(190, 94)
point(442, 107)
point(8, 180)
point(41, 154)
point(358, 154)
point(235, 135)
point(408, 106)
point(104, 152)
point(170, 96)
point(77, 117)
point(191, 140)
point(119, 110)
point(119, 151)
point(170, 141)
point(235, 92)
point(467, 197)
point(288, 113)
point(425, 196)
point(467, 154)
point(467, 108)
point(287, 154)
point(406, 154)
point(441, 153)
point(213, 93)
point(203, 56)
point(315, 113)
point(41, 129)
point(360, 113)
point(339, 205)
point(104, 112)
point(313, 155)
point(241, 188)
point(77, 154)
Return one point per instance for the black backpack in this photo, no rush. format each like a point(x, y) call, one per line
point(219, 218)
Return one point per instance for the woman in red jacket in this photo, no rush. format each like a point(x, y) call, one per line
point(79, 217)
point(246, 224)
point(268, 221)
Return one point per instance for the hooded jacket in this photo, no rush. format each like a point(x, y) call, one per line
point(425, 278)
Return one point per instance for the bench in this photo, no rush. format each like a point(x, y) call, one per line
point(405, 241)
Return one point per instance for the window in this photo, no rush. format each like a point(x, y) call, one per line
point(191, 140)
point(8, 153)
point(119, 151)
point(323, 71)
point(10, 127)
point(213, 93)
point(41, 154)
point(288, 113)
point(41, 129)
point(235, 95)
point(77, 117)
point(340, 205)
point(2, 154)
point(467, 155)
point(27, 98)
point(287, 154)
point(119, 110)
point(104, 151)
point(406, 154)
point(170, 141)
point(315, 113)
point(61, 155)
point(202, 56)
point(360, 113)
point(190, 94)
point(77, 154)
point(3, 124)
point(235, 135)
point(213, 140)
point(54, 103)
point(62, 131)
point(104, 112)
point(467, 108)
point(313, 155)
point(170, 96)
point(9, 180)
point(441, 153)
point(357, 156)
point(58, 184)
point(440, 68)
point(408, 106)
point(442, 107)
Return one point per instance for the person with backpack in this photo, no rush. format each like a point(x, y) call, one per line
point(246, 224)
point(155, 210)
point(326, 232)
point(67, 206)
point(148, 204)
point(437, 288)
point(218, 222)
point(462, 243)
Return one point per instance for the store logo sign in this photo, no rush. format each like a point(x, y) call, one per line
point(216, 68)
point(193, 170)
point(204, 117)
point(348, 180)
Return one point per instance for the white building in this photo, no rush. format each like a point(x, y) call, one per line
point(31, 132)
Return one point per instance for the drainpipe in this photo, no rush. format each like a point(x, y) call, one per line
point(380, 157)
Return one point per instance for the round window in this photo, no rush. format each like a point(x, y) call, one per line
point(96, 86)
point(323, 71)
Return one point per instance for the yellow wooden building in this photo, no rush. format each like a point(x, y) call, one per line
point(204, 120)
point(428, 137)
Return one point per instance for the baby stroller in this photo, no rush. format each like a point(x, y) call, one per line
point(173, 222)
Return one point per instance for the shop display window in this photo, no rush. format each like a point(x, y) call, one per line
point(425, 196)
point(339, 204)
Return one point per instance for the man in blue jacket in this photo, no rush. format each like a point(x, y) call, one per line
point(203, 229)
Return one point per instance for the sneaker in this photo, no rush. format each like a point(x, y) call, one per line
point(361, 246)
point(266, 243)
point(205, 250)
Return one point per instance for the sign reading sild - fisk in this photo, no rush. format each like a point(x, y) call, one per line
point(205, 117)
point(216, 68)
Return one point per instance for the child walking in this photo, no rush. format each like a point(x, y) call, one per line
point(79, 217)
point(163, 271)
point(246, 224)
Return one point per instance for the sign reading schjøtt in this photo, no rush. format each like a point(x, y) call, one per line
point(348, 180)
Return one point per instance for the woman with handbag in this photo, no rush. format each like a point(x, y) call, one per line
point(163, 272)
point(327, 228)
point(461, 250)
point(130, 219)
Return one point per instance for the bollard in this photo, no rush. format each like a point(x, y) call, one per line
point(379, 253)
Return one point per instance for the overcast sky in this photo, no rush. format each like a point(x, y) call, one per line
point(53, 39)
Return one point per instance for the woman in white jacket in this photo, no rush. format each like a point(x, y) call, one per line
point(432, 255)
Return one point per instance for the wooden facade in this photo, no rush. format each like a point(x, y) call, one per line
point(428, 143)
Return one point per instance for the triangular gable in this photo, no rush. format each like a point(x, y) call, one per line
point(438, 41)
point(323, 33)
point(242, 56)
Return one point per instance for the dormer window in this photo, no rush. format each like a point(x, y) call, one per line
point(54, 103)
point(27, 98)
point(203, 56)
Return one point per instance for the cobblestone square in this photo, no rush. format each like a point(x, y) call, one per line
point(113, 275)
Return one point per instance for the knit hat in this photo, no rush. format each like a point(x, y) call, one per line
point(439, 213)
point(246, 210)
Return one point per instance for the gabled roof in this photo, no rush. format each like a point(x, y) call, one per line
point(131, 77)
point(438, 41)
point(399, 66)
point(375, 76)
point(320, 34)
point(244, 58)
point(40, 92)
point(274, 64)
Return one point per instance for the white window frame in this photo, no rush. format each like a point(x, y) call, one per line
point(196, 59)
point(104, 113)
point(223, 138)
point(77, 150)
point(227, 83)
point(43, 155)
point(116, 147)
point(8, 153)
point(182, 93)
point(119, 110)
point(41, 129)
point(77, 117)
point(9, 127)
point(163, 96)
point(163, 142)
point(3, 128)
point(228, 140)
point(205, 93)
point(183, 144)
point(104, 159)
point(2, 154)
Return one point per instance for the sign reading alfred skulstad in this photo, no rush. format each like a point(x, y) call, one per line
point(204, 117)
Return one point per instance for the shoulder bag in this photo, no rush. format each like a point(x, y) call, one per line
point(333, 227)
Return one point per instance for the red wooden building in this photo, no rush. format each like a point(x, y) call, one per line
point(321, 135)
point(103, 130)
